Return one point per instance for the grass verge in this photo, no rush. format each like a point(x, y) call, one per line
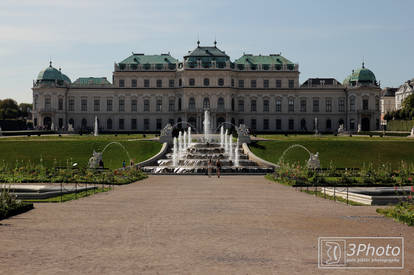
point(403, 213)
point(71, 196)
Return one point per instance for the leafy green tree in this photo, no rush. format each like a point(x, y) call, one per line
point(408, 103)
point(25, 109)
point(9, 109)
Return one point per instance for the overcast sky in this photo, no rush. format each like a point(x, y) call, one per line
point(85, 37)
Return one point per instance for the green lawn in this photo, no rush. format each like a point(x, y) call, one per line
point(344, 152)
point(60, 150)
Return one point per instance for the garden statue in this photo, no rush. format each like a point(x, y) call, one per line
point(313, 161)
point(412, 132)
point(243, 134)
point(341, 129)
point(166, 134)
point(70, 128)
point(95, 160)
point(359, 127)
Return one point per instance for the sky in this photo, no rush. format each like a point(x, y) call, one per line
point(327, 38)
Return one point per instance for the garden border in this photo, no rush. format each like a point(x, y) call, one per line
point(256, 159)
point(154, 158)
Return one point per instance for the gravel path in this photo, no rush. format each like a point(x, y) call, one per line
point(188, 225)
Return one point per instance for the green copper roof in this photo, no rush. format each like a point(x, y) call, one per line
point(206, 54)
point(137, 58)
point(91, 81)
point(66, 78)
point(247, 59)
point(362, 75)
point(50, 74)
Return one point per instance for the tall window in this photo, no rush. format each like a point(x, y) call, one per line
point(266, 105)
point(253, 124)
point(71, 104)
point(265, 124)
point(159, 105)
point(48, 103)
point(159, 123)
point(171, 83)
point(206, 103)
point(159, 83)
point(232, 82)
point(303, 105)
point(315, 105)
point(206, 82)
point(278, 83)
point(133, 123)
point(133, 83)
point(191, 104)
point(241, 105)
point(352, 104)
point(121, 83)
point(278, 124)
point(341, 104)
point(278, 105)
point(291, 104)
point(121, 124)
point(328, 102)
point(96, 105)
point(220, 104)
point(109, 124)
point(241, 83)
point(352, 124)
point(179, 104)
point(221, 82)
point(171, 105)
point(291, 84)
point(146, 83)
point(122, 105)
point(365, 104)
point(84, 105)
point(134, 104)
point(253, 107)
point(191, 82)
point(109, 105)
point(266, 83)
point(146, 105)
point(60, 104)
point(146, 124)
point(180, 82)
point(328, 124)
point(253, 83)
point(291, 124)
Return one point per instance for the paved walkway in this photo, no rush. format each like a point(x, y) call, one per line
point(187, 225)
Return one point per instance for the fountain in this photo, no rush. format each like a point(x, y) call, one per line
point(411, 133)
point(189, 136)
point(230, 147)
point(97, 156)
point(180, 145)
point(221, 136)
point(206, 126)
point(95, 130)
point(236, 153)
point(313, 161)
point(226, 144)
point(185, 140)
point(175, 153)
point(52, 126)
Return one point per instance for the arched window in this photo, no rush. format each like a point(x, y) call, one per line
point(206, 103)
point(206, 82)
point(220, 104)
point(328, 124)
point(191, 103)
point(109, 124)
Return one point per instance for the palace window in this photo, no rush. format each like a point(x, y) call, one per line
point(122, 105)
point(109, 105)
point(315, 108)
point(171, 105)
point(291, 84)
point(253, 83)
point(241, 83)
point(146, 105)
point(328, 124)
point(253, 107)
point(241, 105)
point(60, 104)
point(121, 83)
point(84, 105)
point(265, 105)
point(253, 124)
point(121, 124)
point(352, 104)
point(206, 82)
point(134, 105)
point(365, 104)
point(48, 102)
point(291, 124)
point(278, 124)
point(278, 105)
point(206, 103)
point(71, 104)
point(352, 124)
point(232, 82)
point(191, 104)
point(266, 83)
point(159, 123)
point(180, 82)
point(133, 83)
point(146, 83)
point(278, 83)
point(159, 83)
point(328, 103)
point(220, 104)
point(134, 124)
point(96, 105)
point(146, 124)
point(291, 104)
point(221, 82)
point(171, 83)
point(303, 105)
point(158, 105)
point(179, 104)
point(191, 82)
point(341, 104)
point(265, 124)
point(109, 124)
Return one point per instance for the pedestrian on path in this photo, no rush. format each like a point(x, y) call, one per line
point(218, 163)
point(209, 167)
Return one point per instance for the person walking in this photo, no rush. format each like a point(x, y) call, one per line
point(123, 163)
point(218, 164)
point(209, 167)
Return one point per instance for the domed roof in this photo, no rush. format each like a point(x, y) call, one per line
point(66, 78)
point(49, 74)
point(362, 75)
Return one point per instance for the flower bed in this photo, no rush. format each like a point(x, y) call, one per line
point(9, 206)
point(403, 213)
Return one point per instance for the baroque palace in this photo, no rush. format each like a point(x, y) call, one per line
point(261, 91)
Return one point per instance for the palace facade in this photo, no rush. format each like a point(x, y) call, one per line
point(261, 91)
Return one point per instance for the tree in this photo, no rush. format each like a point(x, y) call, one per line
point(408, 103)
point(9, 109)
point(25, 109)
